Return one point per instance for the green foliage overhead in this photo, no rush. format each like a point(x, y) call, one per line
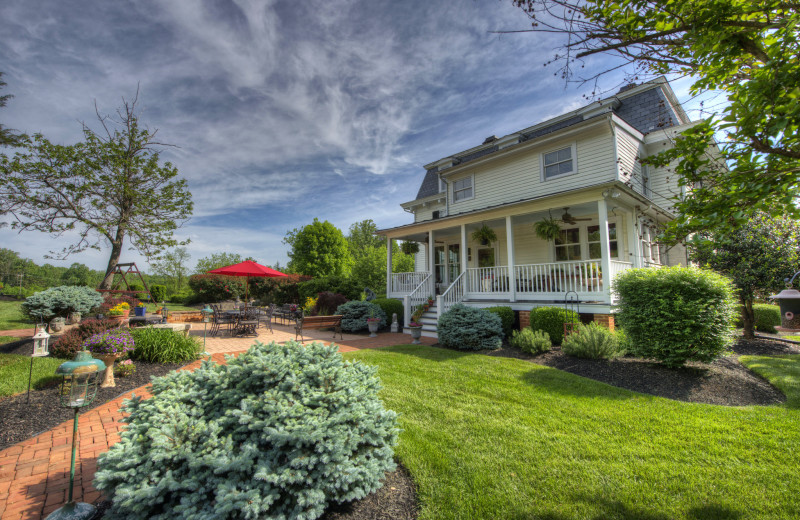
point(757, 255)
point(60, 301)
point(470, 328)
point(319, 249)
point(551, 320)
point(355, 314)
point(7, 136)
point(104, 190)
point(745, 50)
point(676, 314)
point(164, 346)
point(592, 341)
point(281, 431)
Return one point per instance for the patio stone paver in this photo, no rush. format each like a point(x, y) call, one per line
point(34, 474)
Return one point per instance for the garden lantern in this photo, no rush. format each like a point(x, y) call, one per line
point(40, 349)
point(789, 301)
point(79, 379)
point(164, 314)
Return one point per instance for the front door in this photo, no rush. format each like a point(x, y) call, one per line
point(486, 257)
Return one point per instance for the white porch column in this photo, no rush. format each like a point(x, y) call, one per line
point(634, 245)
point(431, 253)
point(605, 249)
point(389, 288)
point(464, 257)
point(512, 276)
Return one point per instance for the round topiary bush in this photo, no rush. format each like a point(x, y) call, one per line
point(676, 314)
point(469, 328)
point(551, 320)
point(355, 314)
point(281, 431)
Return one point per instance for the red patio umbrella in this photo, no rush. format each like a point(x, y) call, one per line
point(249, 269)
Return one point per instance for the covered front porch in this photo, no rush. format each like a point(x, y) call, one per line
point(598, 239)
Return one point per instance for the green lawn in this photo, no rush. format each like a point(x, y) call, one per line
point(11, 317)
point(14, 370)
point(489, 438)
point(151, 307)
point(7, 339)
point(782, 371)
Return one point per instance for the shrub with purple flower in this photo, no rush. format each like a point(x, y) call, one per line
point(116, 341)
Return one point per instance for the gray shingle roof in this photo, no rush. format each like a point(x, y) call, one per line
point(430, 184)
point(648, 111)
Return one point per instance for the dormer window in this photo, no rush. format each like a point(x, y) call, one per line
point(462, 189)
point(442, 185)
point(558, 162)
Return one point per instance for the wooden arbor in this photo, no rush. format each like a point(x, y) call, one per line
point(131, 270)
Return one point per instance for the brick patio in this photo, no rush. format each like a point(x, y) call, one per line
point(34, 474)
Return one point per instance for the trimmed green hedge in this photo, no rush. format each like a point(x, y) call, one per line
point(390, 306)
point(767, 317)
point(551, 320)
point(676, 314)
point(506, 315)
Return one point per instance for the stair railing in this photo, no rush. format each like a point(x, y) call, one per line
point(417, 297)
point(453, 295)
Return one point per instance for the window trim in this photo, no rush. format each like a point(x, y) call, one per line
point(472, 187)
point(574, 153)
point(442, 185)
point(583, 240)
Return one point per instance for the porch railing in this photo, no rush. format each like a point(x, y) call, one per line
point(418, 296)
point(487, 279)
point(453, 295)
point(405, 283)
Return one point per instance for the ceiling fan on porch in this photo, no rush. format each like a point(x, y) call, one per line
point(566, 218)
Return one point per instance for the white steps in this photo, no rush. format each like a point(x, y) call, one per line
point(429, 321)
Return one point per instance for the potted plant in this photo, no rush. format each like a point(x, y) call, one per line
point(108, 346)
point(547, 229)
point(485, 235)
point(409, 248)
point(140, 310)
point(117, 313)
point(125, 368)
point(373, 323)
point(415, 327)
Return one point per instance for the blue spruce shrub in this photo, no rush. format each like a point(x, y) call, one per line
point(506, 317)
point(468, 328)
point(355, 314)
point(60, 301)
point(281, 431)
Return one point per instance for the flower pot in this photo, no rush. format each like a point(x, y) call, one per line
point(416, 333)
point(126, 313)
point(74, 318)
point(373, 328)
point(56, 324)
point(140, 311)
point(108, 359)
point(118, 320)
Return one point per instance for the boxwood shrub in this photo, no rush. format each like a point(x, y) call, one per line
point(551, 320)
point(506, 315)
point(470, 328)
point(676, 314)
point(767, 317)
point(281, 431)
point(390, 306)
point(159, 293)
point(355, 314)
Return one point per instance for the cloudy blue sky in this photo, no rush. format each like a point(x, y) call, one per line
point(281, 111)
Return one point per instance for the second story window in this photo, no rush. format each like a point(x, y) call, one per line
point(558, 162)
point(462, 189)
point(442, 185)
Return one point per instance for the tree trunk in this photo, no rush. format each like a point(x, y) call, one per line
point(113, 260)
point(748, 319)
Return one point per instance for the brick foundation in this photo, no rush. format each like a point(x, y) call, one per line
point(524, 319)
point(606, 320)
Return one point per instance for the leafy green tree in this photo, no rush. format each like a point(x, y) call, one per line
point(757, 256)
point(81, 275)
point(319, 249)
point(109, 188)
point(172, 265)
point(743, 49)
point(217, 260)
point(369, 256)
point(362, 237)
point(7, 136)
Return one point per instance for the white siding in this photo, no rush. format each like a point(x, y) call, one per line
point(518, 177)
point(663, 181)
point(426, 212)
point(629, 149)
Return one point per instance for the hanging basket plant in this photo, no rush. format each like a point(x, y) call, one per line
point(485, 235)
point(409, 248)
point(547, 229)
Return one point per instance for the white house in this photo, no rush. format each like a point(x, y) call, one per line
point(582, 168)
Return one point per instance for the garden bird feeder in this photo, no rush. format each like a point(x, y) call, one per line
point(789, 301)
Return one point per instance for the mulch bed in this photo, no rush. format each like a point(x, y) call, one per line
point(724, 382)
point(21, 420)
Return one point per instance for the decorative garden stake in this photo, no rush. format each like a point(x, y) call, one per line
point(789, 301)
point(78, 389)
point(40, 349)
point(206, 311)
